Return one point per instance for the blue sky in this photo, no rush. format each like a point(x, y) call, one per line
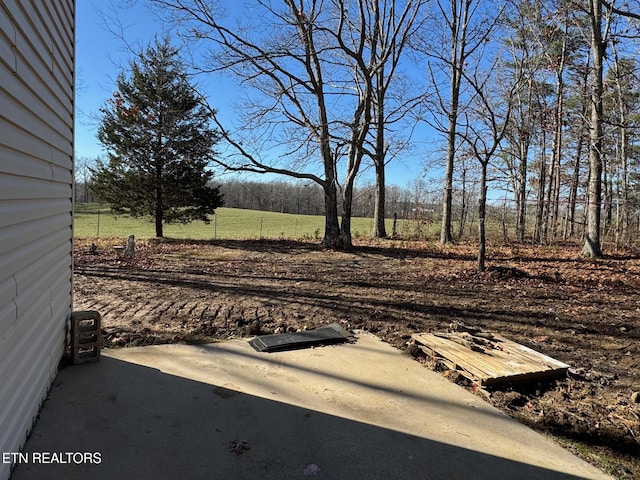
point(101, 56)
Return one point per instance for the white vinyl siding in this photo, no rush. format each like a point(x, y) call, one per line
point(36, 181)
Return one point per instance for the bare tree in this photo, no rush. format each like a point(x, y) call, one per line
point(311, 65)
point(389, 34)
point(579, 131)
point(467, 26)
point(600, 14)
point(372, 43)
point(557, 54)
point(487, 125)
point(82, 179)
point(525, 52)
point(599, 29)
point(623, 81)
point(466, 193)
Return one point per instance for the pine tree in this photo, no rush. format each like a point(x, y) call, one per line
point(159, 143)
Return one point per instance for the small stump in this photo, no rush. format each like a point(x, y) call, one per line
point(130, 249)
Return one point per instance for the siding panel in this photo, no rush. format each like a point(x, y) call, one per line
point(34, 283)
point(7, 40)
point(8, 318)
point(38, 369)
point(21, 163)
point(61, 175)
point(21, 140)
point(60, 38)
point(37, 70)
point(8, 291)
point(12, 238)
point(17, 211)
point(36, 171)
point(15, 260)
point(12, 90)
point(23, 188)
point(16, 347)
point(7, 28)
point(43, 122)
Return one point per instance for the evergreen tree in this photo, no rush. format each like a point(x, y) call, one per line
point(159, 143)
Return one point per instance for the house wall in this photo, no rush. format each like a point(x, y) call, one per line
point(36, 169)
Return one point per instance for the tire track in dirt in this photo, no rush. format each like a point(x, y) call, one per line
point(205, 316)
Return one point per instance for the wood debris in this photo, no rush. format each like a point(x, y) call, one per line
point(487, 358)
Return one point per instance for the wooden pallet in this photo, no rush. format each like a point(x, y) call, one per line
point(508, 362)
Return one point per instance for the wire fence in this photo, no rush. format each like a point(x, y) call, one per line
point(234, 224)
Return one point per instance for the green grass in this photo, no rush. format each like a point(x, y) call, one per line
point(93, 221)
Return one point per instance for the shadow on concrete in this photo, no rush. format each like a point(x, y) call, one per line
point(321, 376)
point(146, 424)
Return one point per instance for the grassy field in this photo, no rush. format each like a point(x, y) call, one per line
point(93, 221)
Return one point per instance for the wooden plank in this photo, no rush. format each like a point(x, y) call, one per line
point(462, 356)
point(519, 349)
point(509, 362)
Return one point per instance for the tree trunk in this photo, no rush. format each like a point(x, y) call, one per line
point(379, 227)
point(447, 201)
point(159, 206)
point(522, 190)
point(482, 211)
point(546, 215)
point(345, 224)
point(463, 207)
point(573, 193)
point(555, 168)
point(538, 233)
point(332, 237)
point(521, 179)
point(592, 247)
point(622, 211)
point(575, 180)
point(554, 185)
point(458, 26)
point(607, 184)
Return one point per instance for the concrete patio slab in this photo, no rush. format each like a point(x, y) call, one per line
point(225, 411)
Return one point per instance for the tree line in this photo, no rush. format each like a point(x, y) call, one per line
point(419, 203)
point(306, 198)
point(536, 98)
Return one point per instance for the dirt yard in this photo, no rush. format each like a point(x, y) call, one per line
point(584, 313)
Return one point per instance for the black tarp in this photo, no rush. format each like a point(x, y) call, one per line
point(330, 334)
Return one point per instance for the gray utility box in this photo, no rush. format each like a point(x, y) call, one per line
point(85, 336)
